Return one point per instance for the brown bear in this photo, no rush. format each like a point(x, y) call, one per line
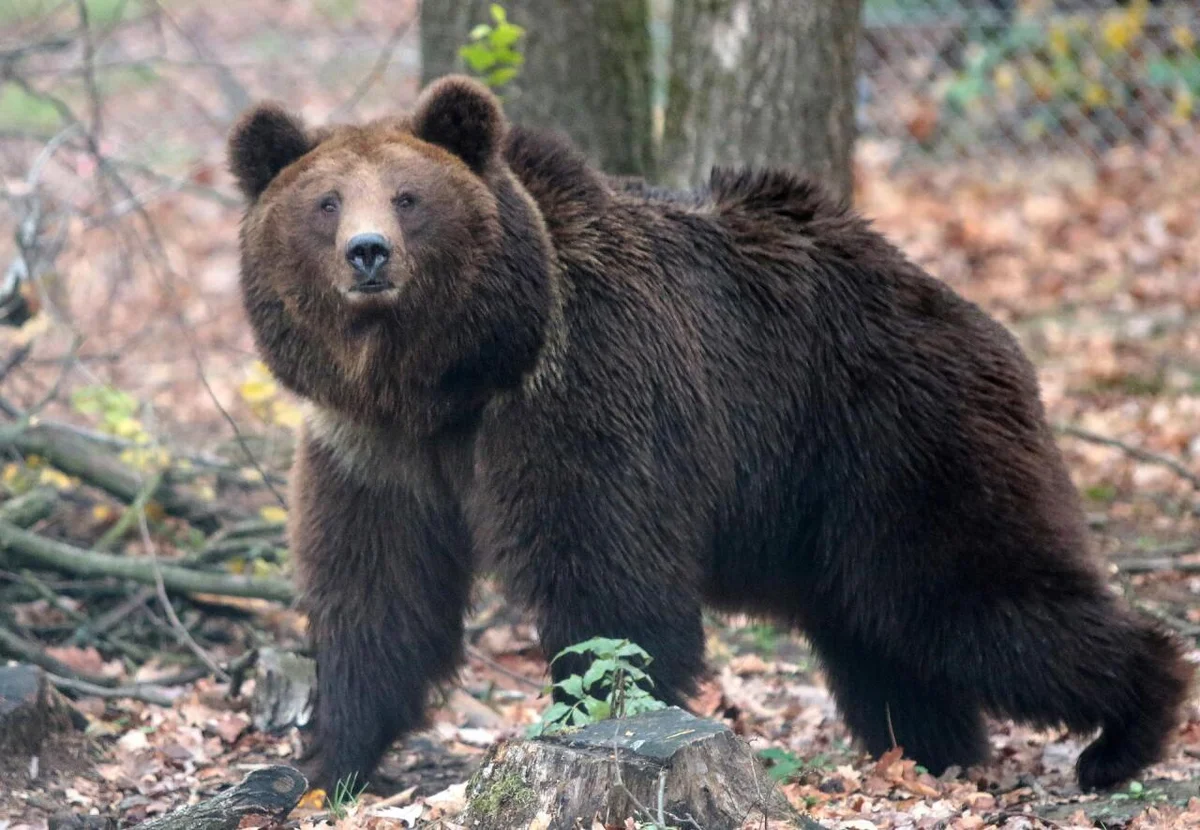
point(630, 403)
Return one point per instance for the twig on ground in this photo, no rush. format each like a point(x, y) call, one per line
point(1173, 464)
point(1165, 558)
point(122, 525)
point(145, 692)
point(31, 652)
point(110, 619)
point(61, 556)
point(28, 508)
point(181, 631)
point(502, 669)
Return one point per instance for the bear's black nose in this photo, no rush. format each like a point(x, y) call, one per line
point(367, 252)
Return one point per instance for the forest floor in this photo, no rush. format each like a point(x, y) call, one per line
point(1095, 264)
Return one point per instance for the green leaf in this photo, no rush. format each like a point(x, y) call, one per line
point(505, 36)
point(572, 685)
point(784, 765)
point(478, 57)
point(632, 650)
point(595, 673)
point(499, 77)
point(480, 31)
point(598, 709)
point(498, 13)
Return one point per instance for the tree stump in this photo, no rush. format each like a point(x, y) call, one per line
point(666, 765)
point(30, 710)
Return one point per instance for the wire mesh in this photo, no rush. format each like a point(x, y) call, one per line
point(974, 78)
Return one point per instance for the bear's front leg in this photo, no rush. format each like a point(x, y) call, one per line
point(593, 564)
point(385, 577)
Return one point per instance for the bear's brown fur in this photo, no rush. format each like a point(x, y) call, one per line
point(629, 403)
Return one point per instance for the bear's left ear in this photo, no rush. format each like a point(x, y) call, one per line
point(461, 115)
point(263, 142)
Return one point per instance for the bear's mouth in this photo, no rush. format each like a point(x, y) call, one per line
point(373, 287)
point(370, 287)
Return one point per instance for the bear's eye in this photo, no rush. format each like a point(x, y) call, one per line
point(329, 204)
point(404, 201)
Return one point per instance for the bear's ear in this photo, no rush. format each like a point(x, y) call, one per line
point(264, 141)
point(461, 115)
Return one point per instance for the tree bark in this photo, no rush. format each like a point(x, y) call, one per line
point(270, 791)
point(762, 82)
point(667, 766)
point(586, 70)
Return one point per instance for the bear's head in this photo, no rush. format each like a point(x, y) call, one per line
point(393, 268)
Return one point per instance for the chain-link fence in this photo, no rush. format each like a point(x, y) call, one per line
point(973, 78)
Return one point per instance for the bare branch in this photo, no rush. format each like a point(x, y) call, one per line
point(1173, 464)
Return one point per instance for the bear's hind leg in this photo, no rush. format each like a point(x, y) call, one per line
point(884, 706)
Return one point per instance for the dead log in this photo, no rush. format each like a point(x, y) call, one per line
point(30, 710)
point(78, 457)
point(52, 554)
point(271, 791)
point(668, 767)
point(284, 686)
point(29, 508)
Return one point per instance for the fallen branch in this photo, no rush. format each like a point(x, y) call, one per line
point(1165, 558)
point(147, 693)
point(78, 457)
point(160, 588)
point(271, 791)
point(1173, 464)
point(28, 508)
point(17, 646)
point(61, 556)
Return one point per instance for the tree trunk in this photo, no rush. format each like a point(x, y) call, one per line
point(586, 70)
point(762, 82)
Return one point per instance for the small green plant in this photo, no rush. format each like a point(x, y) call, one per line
point(345, 794)
point(612, 686)
point(785, 766)
point(1137, 792)
point(490, 54)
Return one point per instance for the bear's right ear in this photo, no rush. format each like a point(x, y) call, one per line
point(461, 115)
point(264, 141)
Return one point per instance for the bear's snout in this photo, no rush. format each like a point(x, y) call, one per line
point(367, 253)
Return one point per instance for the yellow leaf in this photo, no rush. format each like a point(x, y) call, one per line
point(1185, 103)
point(273, 513)
point(55, 478)
point(130, 428)
point(1005, 78)
point(250, 474)
point(1095, 95)
point(1183, 38)
point(155, 512)
point(102, 513)
point(262, 568)
point(12, 471)
point(312, 800)
point(1060, 41)
point(286, 415)
point(237, 565)
point(31, 328)
point(259, 387)
point(207, 492)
